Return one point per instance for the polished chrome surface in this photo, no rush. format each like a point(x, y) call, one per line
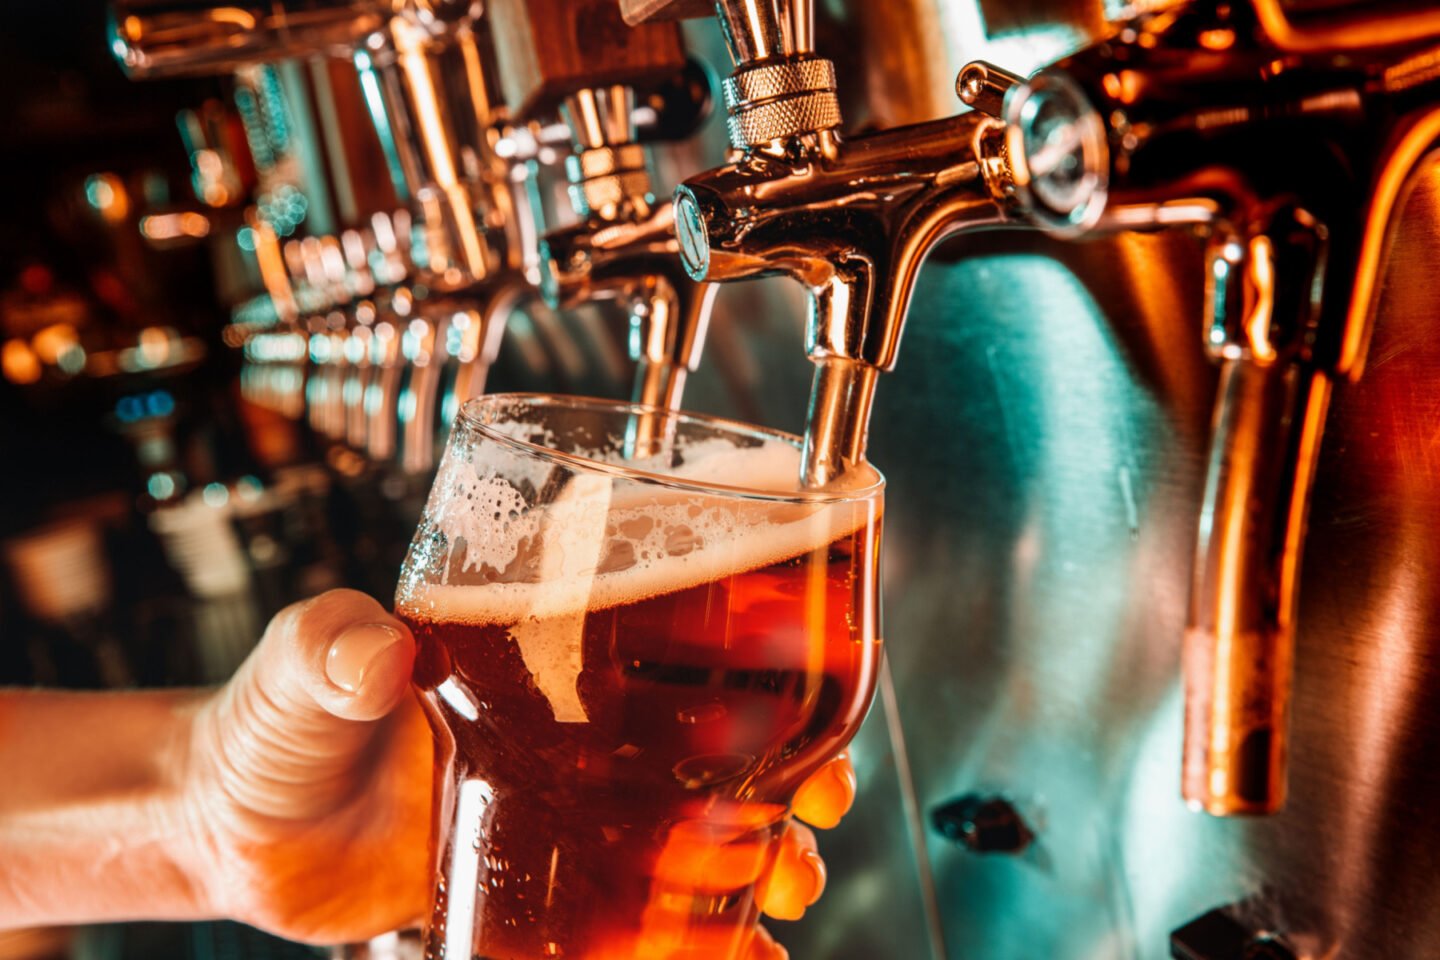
point(1206, 108)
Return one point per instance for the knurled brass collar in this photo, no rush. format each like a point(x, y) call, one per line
point(778, 99)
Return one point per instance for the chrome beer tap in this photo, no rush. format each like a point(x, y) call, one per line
point(437, 83)
point(851, 218)
point(1289, 149)
point(624, 246)
point(424, 69)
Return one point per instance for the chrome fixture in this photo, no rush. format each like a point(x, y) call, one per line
point(1289, 151)
point(851, 218)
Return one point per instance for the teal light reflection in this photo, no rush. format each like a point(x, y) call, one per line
point(379, 116)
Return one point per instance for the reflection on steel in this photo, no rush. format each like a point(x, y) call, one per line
point(1295, 244)
point(850, 218)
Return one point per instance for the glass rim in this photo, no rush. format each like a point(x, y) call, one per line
point(469, 418)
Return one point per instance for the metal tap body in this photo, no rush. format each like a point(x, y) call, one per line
point(851, 218)
point(624, 248)
point(1290, 162)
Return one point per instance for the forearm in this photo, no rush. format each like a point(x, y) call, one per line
point(92, 819)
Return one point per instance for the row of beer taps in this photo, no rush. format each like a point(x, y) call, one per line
point(1286, 146)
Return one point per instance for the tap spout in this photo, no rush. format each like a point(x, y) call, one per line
point(852, 220)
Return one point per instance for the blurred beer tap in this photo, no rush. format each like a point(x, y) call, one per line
point(851, 218)
point(623, 247)
point(1290, 149)
point(156, 38)
point(477, 216)
point(423, 68)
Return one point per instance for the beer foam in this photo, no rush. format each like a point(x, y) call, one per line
point(603, 544)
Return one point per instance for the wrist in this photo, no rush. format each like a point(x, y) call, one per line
point(101, 828)
point(187, 852)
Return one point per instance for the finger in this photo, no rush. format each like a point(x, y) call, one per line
point(798, 878)
point(286, 733)
point(828, 795)
point(724, 852)
point(764, 947)
point(341, 652)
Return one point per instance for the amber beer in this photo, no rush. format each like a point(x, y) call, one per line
point(631, 658)
point(616, 794)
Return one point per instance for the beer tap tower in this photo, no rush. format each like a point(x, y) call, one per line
point(431, 97)
point(851, 218)
point(1291, 155)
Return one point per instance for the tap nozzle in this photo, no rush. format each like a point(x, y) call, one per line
point(624, 249)
point(851, 219)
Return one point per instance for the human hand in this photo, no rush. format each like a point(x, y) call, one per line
point(308, 791)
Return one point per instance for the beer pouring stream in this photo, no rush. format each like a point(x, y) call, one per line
point(1290, 151)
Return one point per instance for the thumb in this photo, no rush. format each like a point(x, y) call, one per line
point(290, 729)
point(340, 653)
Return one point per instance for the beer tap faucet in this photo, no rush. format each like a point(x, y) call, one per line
point(851, 218)
point(425, 66)
point(1290, 150)
point(623, 247)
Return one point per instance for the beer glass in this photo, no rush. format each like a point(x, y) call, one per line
point(630, 663)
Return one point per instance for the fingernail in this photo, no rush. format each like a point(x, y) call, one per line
point(812, 860)
point(353, 652)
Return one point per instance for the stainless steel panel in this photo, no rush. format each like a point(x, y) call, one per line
point(1044, 437)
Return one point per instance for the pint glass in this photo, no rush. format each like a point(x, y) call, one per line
point(630, 665)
